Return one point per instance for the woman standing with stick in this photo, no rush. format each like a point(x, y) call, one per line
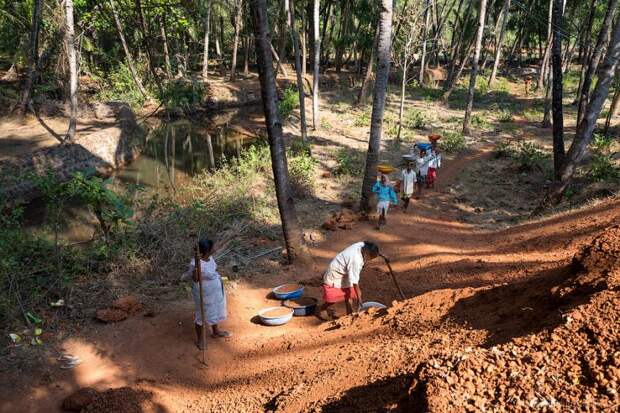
point(208, 291)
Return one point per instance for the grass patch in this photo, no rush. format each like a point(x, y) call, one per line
point(349, 162)
point(452, 142)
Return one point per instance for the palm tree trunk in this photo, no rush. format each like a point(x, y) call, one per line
point(128, 57)
point(293, 236)
point(613, 110)
point(73, 76)
point(233, 65)
point(205, 56)
point(427, 17)
point(585, 52)
point(378, 102)
point(585, 129)
point(33, 57)
point(304, 50)
point(361, 99)
point(597, 54)
point(403, 84)
point(164, 39)
point(300, 83)
point(559, 152)
point(500, 41)
point(316, 64)
point(246, 56)
point(456, 50)
point(474, 68)
point(544, 64)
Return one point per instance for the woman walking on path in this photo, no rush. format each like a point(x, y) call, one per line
point(385, 196)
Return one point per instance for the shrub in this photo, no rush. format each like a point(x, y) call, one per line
point(502, 150)
point(301, 168)
point(533, 114)
point(120, 86)
point(602, 168)
point(479, 120)
point(415, 119)
point(452, 142)
point(349, 162)
point(182, 95)
point(363, 119)
point(501, 85)
point(288, 103)
point(504, 116)
point(530, 156)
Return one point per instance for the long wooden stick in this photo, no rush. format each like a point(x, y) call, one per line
point(202, 304)
point(387, 262)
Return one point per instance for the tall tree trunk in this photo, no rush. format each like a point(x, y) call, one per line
point(33, 57)
point(304, 50)
point(343, 32)
point(403, 84)
point(456, 76)
point(128, 57)
point(613, 110)
point(544, 64)
point(326, 19)
point(559, 153)
point(205, 55)
point(164, 39)
point(146, 39)
point(291, 228)
point(597, 54)
point(282, 27)
point(457, 49)
point(378, 102)
point(279, 63)
point(585, 51)
point(361, 98)
point(246, 56)
point(300, 83)
point(474, 68)
point(427, 16)
point(233, 65)
point(585, 129)
point(73, 75)
point(316, 64)
point(500, 41)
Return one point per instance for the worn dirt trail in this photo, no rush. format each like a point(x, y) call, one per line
point(354, 364)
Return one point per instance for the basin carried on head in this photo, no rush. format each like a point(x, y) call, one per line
point(275, 316)
point(302, 306)
point(372, 304)
point(288, 291)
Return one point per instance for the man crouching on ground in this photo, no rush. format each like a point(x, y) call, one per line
point(341, 280)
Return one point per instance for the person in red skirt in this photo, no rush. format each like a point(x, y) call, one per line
point(341, 279)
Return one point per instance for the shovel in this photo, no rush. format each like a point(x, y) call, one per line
point(387, 262)
point(202, 306)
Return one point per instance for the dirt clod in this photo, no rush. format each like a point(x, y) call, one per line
point(78, 400)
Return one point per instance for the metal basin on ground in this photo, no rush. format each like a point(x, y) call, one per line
point(275, 316)
point(288, 291)
point(302, 306)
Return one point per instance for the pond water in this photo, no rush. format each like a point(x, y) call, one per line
point(172, 152)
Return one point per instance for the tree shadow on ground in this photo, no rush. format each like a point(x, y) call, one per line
point(379, 396)
point(519, 308)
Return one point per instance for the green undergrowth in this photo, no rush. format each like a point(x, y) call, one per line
point(143, 240)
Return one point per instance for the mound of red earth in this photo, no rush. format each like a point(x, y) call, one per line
point(119, 310)
point(123, 399)
point(571, 366)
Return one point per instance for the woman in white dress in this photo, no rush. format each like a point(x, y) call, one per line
point(212, 289)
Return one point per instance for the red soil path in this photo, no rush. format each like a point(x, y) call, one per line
point(468, 288)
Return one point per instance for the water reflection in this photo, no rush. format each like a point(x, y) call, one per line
point(174, 152)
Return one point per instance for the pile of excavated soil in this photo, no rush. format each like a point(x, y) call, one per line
point(124, 399)
point(574, 366)
point(119, 310)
